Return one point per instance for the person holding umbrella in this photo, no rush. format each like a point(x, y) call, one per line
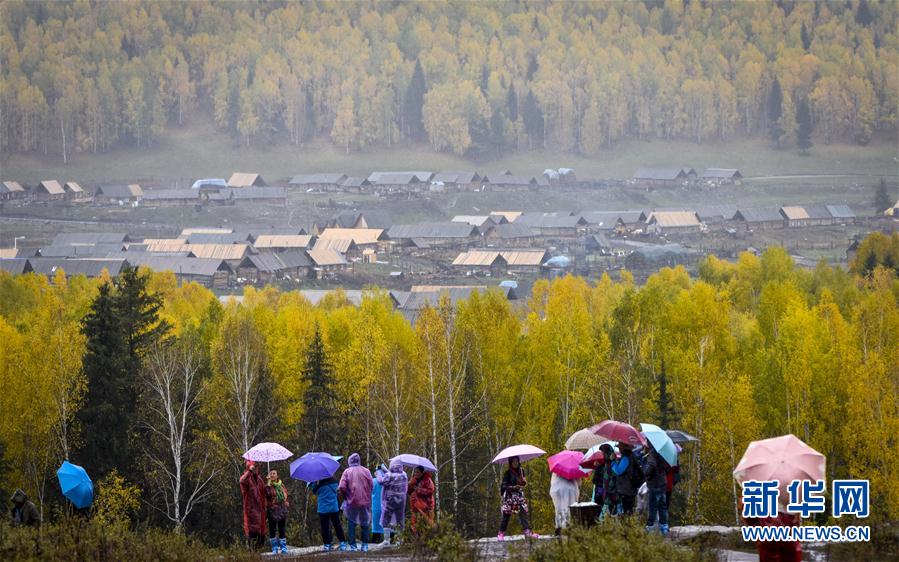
point(512, 490)
point(394, 485)
point(421, 498)
point(628, 477)
point(355, 488)
point(252, 491)
point(328, 512)
point(277, 506)
point(656, 482)
point(564, 488)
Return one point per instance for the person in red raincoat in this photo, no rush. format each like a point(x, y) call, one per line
point(776, 551)
point(421, 498)
point(252, 491)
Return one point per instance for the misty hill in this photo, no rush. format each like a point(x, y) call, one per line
point(467, 78)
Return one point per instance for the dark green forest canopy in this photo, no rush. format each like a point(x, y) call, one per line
point(83, 76)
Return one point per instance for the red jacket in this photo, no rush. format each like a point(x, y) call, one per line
point(421, 493)
point(252, 490)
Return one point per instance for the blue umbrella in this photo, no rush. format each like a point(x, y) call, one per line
point(661, 442)
point(76, 484)
point(313, 467)
point(414, 461)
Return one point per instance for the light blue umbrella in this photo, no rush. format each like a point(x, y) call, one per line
point(661, 442)
point(76, 484)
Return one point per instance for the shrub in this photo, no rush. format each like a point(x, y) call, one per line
point(615, 540)
point(76, 538)
point(443, 541)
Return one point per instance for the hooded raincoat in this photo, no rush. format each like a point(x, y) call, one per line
point(24, 512)
point(252, 490)
point(393, 495)
point(564, 492)
point(355, 485)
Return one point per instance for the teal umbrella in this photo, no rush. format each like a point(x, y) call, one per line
point(661, 442)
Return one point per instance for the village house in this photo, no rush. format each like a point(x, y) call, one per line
point(645, 260)
point(214, 273)
point(715, 216)
point(722, 176)
point(343, 246)
point(219, 238)
point(456, 181)
point(670, 222)
point(186, 232)
point(15, 266)
point(509, 235)
point(355, 184)
point(89, 238)
point(90, 267)
point(74, 191)
point(434, 234)
point(81, 250)
point(119, 194)
point(318, 182)
point(364, 238)
point(499, 262)
point(243, 179)
point(326, 262)
point(554, 226)
point(265, 267)
point(482, 222)
point(841, 214)
point(509, 182)
point(280, 242)
point(391, 182)
point(10, 190)
point(170, 197)
point(807, 215)
point(760, 218)
point(48, 190)
point(661, 177)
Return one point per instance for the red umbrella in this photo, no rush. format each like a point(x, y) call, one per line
point(619, 431)
point(565, 464)
point(596, 457)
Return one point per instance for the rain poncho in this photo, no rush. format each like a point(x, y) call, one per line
point(355, 485)
point(421, 493)
point(393, 495)
point(376, 503)
point(564, 492)
point(252, 490)
point(24, 512)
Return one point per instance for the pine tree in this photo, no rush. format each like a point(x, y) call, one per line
point(806, 38)
point(319, 429)
point(804, 130)
point(512, 103)
point(533, 119)
point(413, 103)
point(122, 324)
point(497, 131)
point(665, 403)
point(882, 199)
point(863, 14)
point(775, 110)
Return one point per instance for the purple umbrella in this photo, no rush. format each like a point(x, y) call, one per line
point(313, 467)
point(407, 459)
point(523, 452)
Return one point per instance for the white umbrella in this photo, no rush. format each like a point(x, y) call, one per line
point(583, 439)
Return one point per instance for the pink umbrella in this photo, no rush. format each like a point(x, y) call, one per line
point(619, 431)
point(523, 452)
point(783, 458)
point(567, 465)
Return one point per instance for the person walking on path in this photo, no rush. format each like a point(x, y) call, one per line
point(656, 482)
point(512, 490)
point(394, 484)
point(276, 500)
point(628, 478)
point(23, 513)
point(563, 492)
point(377, 531)
point(355, 487)
point(329, 512)
point(421, 498)
point(252, 491)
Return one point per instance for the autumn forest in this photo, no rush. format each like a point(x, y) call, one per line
point(469, 78)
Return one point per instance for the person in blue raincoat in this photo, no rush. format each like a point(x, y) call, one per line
point(377, 531)
point(329, 512)
point(393, 500)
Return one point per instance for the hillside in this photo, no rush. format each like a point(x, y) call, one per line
point(464, 78)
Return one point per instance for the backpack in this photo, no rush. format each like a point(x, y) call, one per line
point(637, 477)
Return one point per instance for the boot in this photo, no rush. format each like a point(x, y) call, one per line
point(342, 545)
point(664, 529)
point(531, 534)
point(501, 536)
point(558, 531)
point(283, 543)
point(327, 547)
point(365, 547)
point(353, 547)
point(274, 545)
point(386, 538)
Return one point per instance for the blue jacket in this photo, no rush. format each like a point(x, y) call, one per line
point(326, 490)
point(376, 508)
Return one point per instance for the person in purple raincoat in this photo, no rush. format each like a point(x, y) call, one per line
point(393, 499)
point(355, 489)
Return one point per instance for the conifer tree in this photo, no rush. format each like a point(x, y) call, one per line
point(533, 119)
point(804, 130)
point(413, 125)
point(512, 103)
point(775, 111)
point(319, 428)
